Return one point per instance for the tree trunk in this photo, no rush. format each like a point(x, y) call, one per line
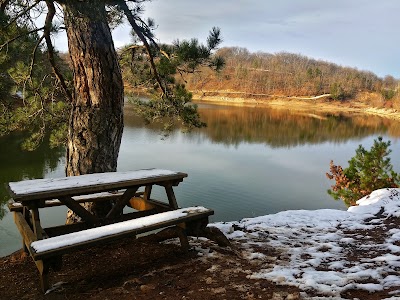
point(96, 121)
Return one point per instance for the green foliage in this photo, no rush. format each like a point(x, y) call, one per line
point(314, 72)
point(171, 109)
point(388, 93)
point(172, 63)
point(367, 171)
point(337, 92)
point(30, 97)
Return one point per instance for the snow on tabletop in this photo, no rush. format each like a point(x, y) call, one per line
point(325, 251)
point(112, 229)
point(48, 184)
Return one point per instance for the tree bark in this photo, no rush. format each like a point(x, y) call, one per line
point(96, 121)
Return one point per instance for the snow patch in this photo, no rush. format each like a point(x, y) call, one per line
point(316, 247)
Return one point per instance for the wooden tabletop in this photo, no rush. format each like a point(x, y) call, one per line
point(52, 188)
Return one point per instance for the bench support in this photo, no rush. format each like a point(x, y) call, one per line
point(36, 223)
point(171, 197)
point(43, 267)
point(26, 214)
point(183, 238)
point(122, 202)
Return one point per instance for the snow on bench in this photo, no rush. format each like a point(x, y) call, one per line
point(53, 187)
point(135, 226)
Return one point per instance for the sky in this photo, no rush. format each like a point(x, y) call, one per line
point(358, 33)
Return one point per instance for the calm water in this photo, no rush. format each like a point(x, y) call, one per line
point(248, 161)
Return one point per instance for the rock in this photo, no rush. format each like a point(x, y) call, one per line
point(285, 296)
point(145, 288)
point(220, 290)
point(295, 296)
point(132, 283)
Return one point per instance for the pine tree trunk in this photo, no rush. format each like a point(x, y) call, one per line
point(96, 121)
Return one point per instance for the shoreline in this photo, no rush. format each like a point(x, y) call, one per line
point(316, 105)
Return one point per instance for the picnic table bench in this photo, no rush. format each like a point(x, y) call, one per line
point(47, 245)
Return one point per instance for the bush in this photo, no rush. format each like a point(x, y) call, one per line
point(388, 94)
point(367, 171)
point(337, 92)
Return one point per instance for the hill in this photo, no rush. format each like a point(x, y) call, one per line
point(268, 76)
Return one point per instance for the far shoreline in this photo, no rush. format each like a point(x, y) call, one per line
point(301, 105)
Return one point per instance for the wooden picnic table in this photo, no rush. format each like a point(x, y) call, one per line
point(47, 245)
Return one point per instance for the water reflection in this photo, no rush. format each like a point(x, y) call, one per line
point(247, 162)
point(17, 164)
point(230, 126)
point(280, 128)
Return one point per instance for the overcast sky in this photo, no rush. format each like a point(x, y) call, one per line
point(359, 33)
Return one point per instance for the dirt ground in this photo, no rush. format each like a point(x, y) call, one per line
point(135, 269)
point(138, 270)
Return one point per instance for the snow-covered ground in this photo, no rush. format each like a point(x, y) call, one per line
point(327, 253)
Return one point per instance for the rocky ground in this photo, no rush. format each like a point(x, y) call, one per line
point(322, 254)
point(138, 270)
point(147, 270)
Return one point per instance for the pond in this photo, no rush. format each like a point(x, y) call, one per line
point(249, 161)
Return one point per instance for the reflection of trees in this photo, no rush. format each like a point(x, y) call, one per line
point(280, 128)
point(134, 121)
point(17, 164)
point(226, 125)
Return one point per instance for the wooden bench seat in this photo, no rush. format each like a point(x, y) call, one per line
point(48, 252)
point(68, 242)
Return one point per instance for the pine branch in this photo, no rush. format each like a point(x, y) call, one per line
point(131, 19)
point(26, 10)
point(19, 36)
point(50, 49)
point(34, 55)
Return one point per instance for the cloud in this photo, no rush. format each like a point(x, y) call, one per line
point(355, 33)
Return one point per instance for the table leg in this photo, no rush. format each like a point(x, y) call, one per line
point(183, 238)
point(171, 197)
point(122, 202)
point(147, 192)
point(37, 228)
point(28, 218)
point(43, 268)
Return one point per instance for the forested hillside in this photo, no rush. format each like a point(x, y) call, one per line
point(287, 74)
point(265, 76)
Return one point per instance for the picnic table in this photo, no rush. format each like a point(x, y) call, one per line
point(133, 189)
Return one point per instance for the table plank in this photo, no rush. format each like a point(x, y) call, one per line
point(90, 183)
